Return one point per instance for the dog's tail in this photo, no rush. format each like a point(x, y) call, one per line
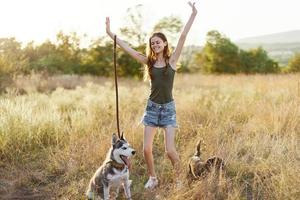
point(198, 148)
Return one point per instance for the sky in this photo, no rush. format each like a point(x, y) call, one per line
point(39, 20)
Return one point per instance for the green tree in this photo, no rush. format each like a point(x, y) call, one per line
point(219, 55)
point(247, 62)
point(294, 63)
point(98, 59)
point(38, 56)
point(68, 47)
point(12, 59)
point(196, 62)
point(128, 66)
point(64, 56)
point(257, 61)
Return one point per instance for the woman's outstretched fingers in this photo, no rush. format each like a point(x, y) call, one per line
point(193, 6)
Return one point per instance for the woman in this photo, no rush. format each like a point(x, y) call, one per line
point(160, 109)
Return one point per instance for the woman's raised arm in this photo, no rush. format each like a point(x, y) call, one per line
point(133, 53)
point(175, 56)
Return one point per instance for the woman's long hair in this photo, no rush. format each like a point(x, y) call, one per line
point(152, 56)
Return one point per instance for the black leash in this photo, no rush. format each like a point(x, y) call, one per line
point(116, 85)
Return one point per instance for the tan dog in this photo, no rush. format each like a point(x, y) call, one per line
point(199, 168)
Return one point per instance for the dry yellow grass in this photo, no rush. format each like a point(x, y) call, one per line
point(51, 143)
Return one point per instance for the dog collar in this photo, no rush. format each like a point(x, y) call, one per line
point(117, 165)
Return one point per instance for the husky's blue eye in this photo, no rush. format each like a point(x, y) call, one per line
point(124, 148)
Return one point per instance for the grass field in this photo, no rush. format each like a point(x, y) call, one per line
point(56, 134)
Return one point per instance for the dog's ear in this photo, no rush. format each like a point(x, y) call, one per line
point(114, 139)
point(198, 152)
point(122, 136)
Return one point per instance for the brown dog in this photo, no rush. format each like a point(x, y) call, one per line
point(199, 168)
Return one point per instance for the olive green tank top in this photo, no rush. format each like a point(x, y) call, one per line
point(162, 84)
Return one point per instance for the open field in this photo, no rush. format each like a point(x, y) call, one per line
point(52, 139)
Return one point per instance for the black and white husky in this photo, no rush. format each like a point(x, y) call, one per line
point(113, 173)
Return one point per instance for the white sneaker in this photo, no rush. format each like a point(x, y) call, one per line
point(151, 183)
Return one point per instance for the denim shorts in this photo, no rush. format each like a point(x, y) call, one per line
point(160, 115)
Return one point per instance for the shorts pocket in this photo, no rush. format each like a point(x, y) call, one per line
point(150, 107)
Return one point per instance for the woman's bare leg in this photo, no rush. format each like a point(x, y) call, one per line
point(171, 149)
point(149, 133)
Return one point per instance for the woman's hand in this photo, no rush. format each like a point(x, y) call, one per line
point(193, 7)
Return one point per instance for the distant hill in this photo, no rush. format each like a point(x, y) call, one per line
point(283, 37)
point(280, 46)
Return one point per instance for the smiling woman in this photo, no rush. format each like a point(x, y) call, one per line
point(160, 108)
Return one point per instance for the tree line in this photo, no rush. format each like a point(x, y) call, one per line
point(65, 56)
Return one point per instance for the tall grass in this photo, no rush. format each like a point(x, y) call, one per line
point(51, 143)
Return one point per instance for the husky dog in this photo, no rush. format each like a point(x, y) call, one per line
point(113, 173)
point(199, 168)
